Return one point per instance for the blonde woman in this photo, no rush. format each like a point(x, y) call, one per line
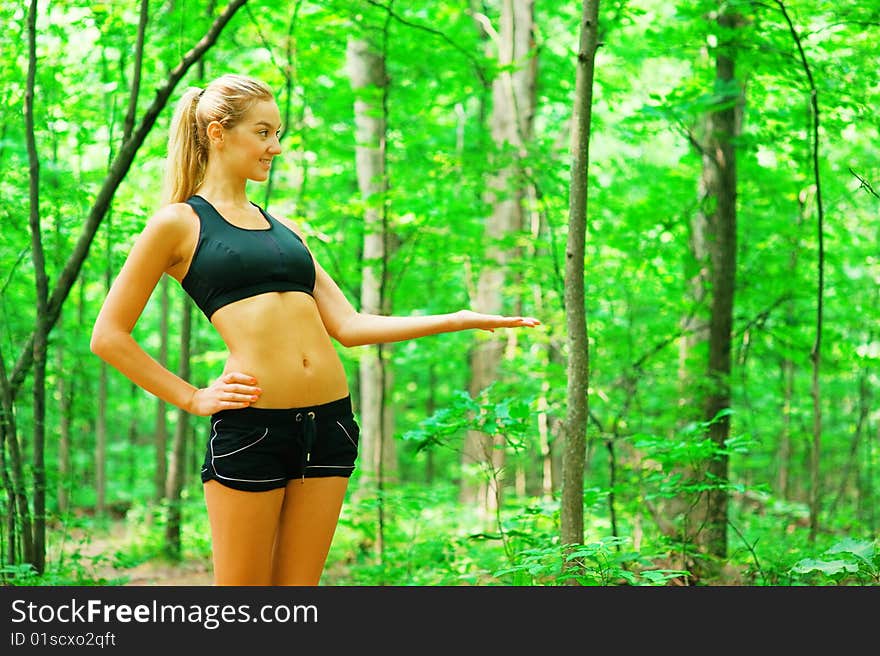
point(282, 440)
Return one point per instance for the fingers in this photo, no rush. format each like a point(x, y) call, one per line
point(235, 389)
point(238, 377)
point(517, 322)
point(239, 397)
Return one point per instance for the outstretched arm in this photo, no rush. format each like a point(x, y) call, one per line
point(352, 328)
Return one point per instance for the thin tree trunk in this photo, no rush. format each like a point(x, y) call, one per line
point(65, 410)
point(37, 557)
point(65, 387)
point(816, 352)
point(160, 431)
point(851, 464)
point(103, 381)
point(177, 467)
point(18, 518)
point(101, 443)
point(784, 452)
point(574, 445)
point(544, 445)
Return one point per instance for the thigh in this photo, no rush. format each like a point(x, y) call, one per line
point(243, 529)
point(308, 521)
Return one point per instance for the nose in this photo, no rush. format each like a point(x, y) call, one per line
point(275, 146)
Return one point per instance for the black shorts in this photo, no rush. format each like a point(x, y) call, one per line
point(259, 449)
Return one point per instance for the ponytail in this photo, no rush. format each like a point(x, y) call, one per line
point(187, 152)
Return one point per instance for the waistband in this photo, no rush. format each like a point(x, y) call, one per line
point(279, 416)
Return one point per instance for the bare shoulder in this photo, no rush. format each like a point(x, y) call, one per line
point(173, 219)
point(171, 234)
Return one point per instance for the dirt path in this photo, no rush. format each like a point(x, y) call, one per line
point(95, 552)
point(164, 574)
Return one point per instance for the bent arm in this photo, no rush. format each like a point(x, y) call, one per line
point(151, 255)
point(352, 328)
point(156, 252)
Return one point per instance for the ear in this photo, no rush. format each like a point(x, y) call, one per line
point(215, 132)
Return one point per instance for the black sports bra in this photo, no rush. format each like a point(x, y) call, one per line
point(232, 263)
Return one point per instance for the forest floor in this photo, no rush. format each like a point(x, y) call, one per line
point(96, 554)
point(96, 551)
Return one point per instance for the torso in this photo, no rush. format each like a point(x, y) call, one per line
point(276, 337)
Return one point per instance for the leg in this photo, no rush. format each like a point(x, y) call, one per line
point(308, 521)
point(243, 527)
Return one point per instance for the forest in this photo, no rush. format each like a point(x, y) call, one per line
point(684, 192)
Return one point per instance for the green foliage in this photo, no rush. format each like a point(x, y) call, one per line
point(654, 82)
point(508, 416)
point(74, 564)
point(600, 563)
point(848, 562)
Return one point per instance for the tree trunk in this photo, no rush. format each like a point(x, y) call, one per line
point(160, 430)
point(103, 376)
point(65, 409)
point(101, 444)
point(369, 80)
point(64, 387)
point(784, 452)
point(513, 110)
point(816, 352)
point(177, 467)
point(41, 331)
point(707, 516)
point(19, 534)
point(574, 445)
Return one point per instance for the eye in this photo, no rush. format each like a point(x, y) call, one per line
point(263, 132)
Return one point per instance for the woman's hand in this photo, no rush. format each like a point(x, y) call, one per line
point(231, 391)
point(490, 322)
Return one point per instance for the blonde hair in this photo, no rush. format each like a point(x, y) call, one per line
point(225, 100)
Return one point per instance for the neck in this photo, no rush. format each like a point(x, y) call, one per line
point(223, 190)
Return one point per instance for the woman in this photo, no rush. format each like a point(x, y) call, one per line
point(282, 441)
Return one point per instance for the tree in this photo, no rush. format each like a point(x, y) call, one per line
point(177, 466)
point(369, 80)
point(572, 504)
point(816, 351)
point(718, 207)
point(707, 394)
point(513, 113)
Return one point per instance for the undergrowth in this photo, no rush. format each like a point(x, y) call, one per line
point(429, 539)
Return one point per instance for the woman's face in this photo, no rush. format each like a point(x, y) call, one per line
point(249, 147)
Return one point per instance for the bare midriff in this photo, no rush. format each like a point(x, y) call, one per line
point(280, 339)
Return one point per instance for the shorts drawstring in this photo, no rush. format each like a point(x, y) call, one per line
point(310, 431)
